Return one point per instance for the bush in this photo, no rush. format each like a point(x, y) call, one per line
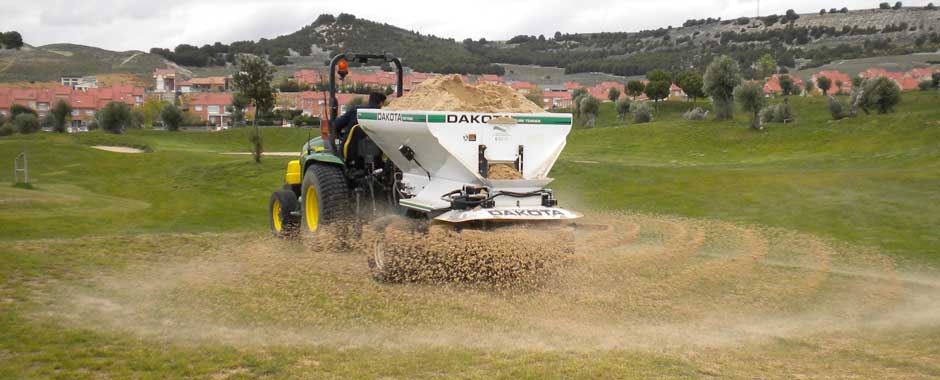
point(6, 130)
point(925, 85)
point(776, 113)
point(25, 123)
point(880, 94)
point(642, 112)
point(935, 79)
point(884, 6)
point(19, 109)
point(698, 113)
point(114, 117)
point(837, 109)
point(172, 117)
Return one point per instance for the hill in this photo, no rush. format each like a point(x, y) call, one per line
point(796, 41)
point(50, 62)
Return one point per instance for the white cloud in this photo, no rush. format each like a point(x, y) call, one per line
point(140, 25)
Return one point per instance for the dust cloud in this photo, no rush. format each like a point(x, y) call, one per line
point(611, 281)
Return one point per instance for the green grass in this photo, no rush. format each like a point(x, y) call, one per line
point(870, 180)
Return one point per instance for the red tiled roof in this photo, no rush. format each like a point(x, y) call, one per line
point(164, 72)
point(210, 98)
point(773, 84)
point(307, 76)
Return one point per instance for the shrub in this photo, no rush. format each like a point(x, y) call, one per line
point(6, 130)
point(881, 94)
point(721, 77)
point(623, 107)
point(751, 97)
point(642, 112)
point(836, 109)
point(697, 113)
point(25, 123)
point(935, 79)
point(884, 6)
point(925, 85)
point(172, 117)
point(767, 114)
point(783, 113)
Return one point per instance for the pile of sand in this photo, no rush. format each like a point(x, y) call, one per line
point(503, 171)
point(451, 93)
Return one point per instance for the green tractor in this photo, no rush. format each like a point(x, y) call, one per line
point(333, 179)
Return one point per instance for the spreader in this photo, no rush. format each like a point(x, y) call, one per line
point(460, 167)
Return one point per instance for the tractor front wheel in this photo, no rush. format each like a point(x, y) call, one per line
point(284, 223)
point(324, 197)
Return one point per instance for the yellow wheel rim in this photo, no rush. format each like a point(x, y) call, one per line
point(276, 215)
point(312, 209)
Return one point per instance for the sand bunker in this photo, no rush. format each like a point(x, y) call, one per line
point(451, 93)
point(118, 149)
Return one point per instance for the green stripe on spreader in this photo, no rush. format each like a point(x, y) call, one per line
point(542, 120)
point(412, 117)
point(436, 119)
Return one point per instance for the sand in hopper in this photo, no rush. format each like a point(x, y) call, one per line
point(503, 171)
point(513, 255)
point(451, 93)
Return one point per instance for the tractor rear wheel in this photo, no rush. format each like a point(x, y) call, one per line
point(324, 197)
point(284, 223)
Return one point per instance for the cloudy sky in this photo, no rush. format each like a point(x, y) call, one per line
point(140, 25)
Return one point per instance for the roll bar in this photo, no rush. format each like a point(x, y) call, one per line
point(334, 104)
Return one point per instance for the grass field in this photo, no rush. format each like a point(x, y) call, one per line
point(809, 250)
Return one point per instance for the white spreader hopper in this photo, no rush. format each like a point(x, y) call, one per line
point(445, 158)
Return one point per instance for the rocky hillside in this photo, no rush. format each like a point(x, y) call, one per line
point(50, 62)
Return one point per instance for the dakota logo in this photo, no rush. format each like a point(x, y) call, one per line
point(388, 116)
point(474, 119)
point(526, 212)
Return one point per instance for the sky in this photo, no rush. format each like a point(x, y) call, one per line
point(140, 25)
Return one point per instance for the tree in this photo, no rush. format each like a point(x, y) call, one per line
point(898, 5)
point(836, 109)
point(750, 96)
point(114, 117)
point(839, 87)
point(824, 84)
point(18, 109)
point(635, 88)
point(253, 81)
point(765, 67)
point(721, 77)
point(930, 7)
point(935, 79)
point(172, 117)
point(658, 87)
point(881, 94)
point(588, 109)
point(786, 84)
point(152, 109)
point(60, 114)
point(884, 6)
point(26, 123)
point(691, 83)
point(623, 107)
point(240, 102)
point(11, 40)
point(613, 94)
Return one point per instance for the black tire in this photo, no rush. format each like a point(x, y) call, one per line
point(281, 206)
point(332, 197)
